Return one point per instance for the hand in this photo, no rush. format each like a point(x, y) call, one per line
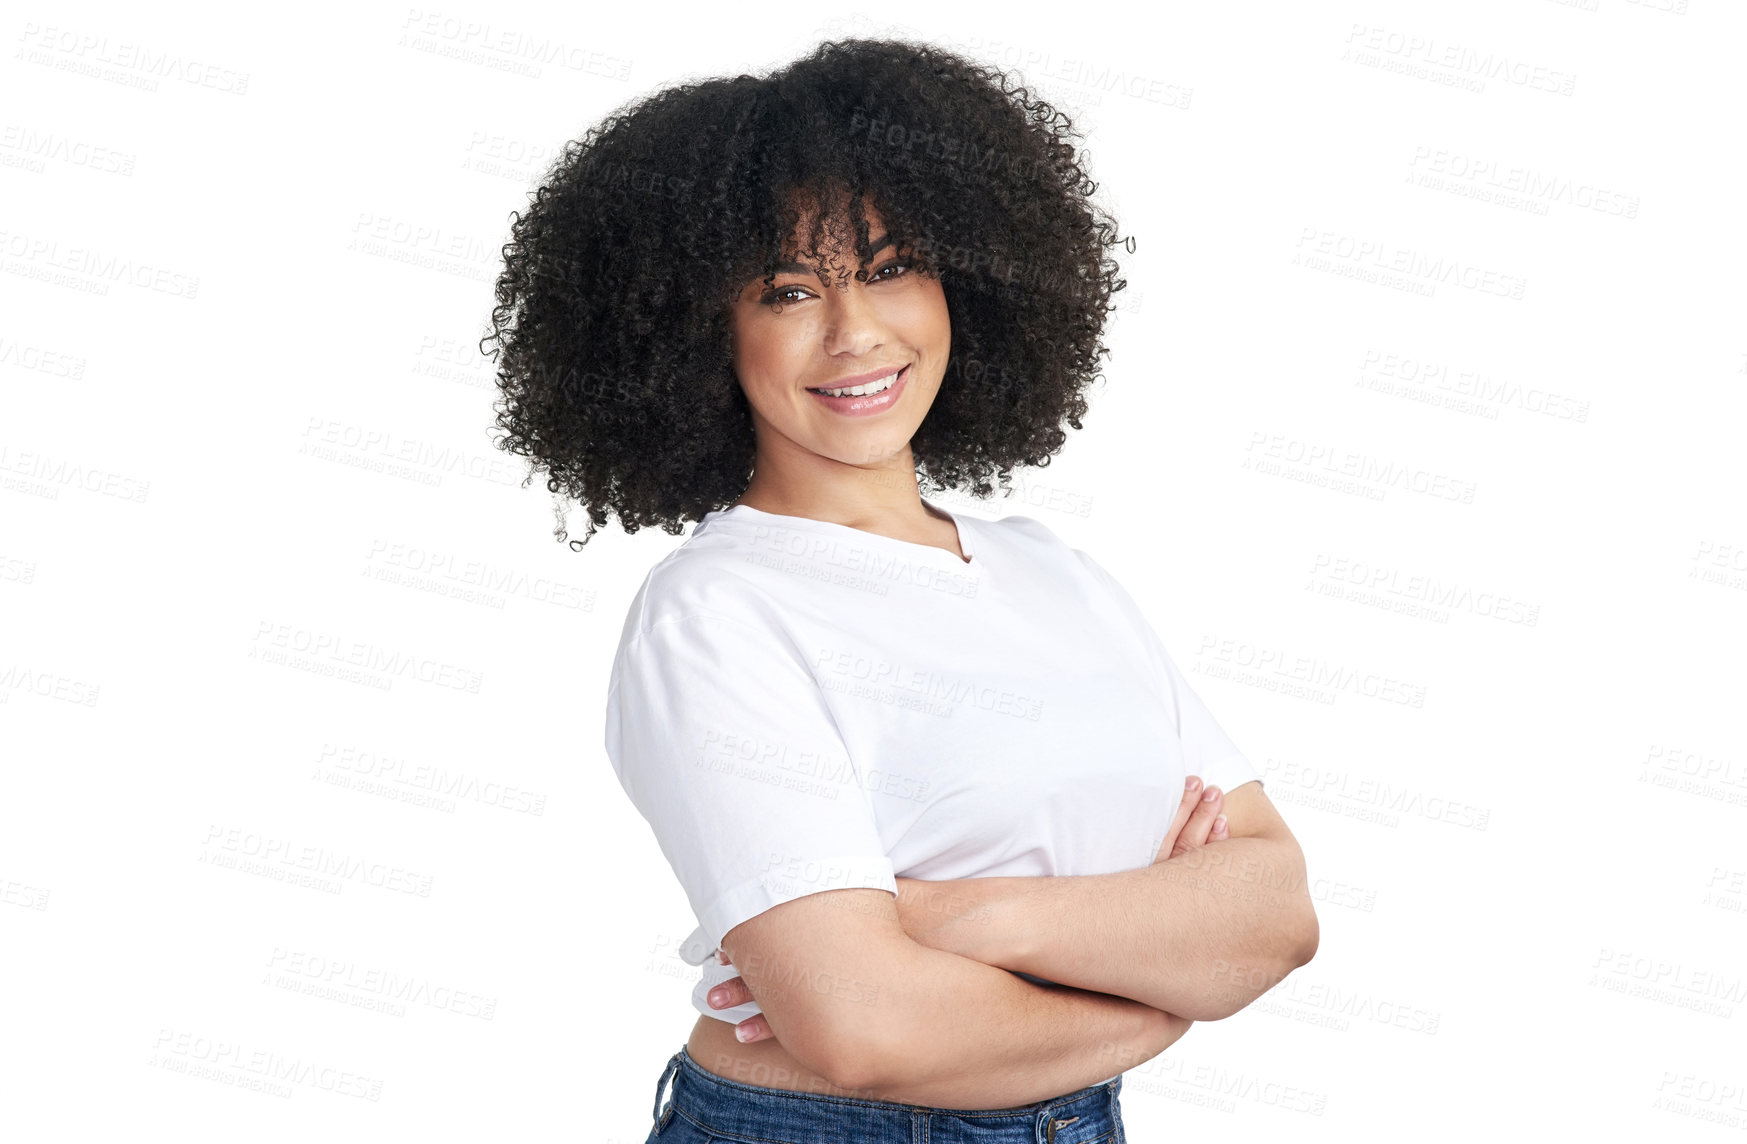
point(1197, 822)
point(734, 992)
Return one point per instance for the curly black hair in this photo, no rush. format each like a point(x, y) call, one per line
point(612, 313)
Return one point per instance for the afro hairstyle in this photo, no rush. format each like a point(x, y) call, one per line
point(612, 328)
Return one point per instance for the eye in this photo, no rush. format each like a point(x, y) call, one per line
point(780, 295)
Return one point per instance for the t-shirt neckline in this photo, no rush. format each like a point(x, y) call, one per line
point(974, 564)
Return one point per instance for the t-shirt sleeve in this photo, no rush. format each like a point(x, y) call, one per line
point(1207, 750)
point(722, 738)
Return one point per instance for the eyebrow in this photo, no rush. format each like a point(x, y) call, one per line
point(876, 245)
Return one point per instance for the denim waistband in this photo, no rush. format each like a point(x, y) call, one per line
point(729, 1107)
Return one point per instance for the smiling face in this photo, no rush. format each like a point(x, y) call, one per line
point(811, 331)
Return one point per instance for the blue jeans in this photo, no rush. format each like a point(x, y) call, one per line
point(706, 1108)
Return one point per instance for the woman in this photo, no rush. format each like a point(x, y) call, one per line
point(768, 304)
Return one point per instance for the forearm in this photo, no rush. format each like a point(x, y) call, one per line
point(1201, 935)
point(957, 1033)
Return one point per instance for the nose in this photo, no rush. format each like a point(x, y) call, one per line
point(852, 322)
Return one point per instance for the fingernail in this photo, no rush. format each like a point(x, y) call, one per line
point(1194, 783)
point(1212, 793)
point(742, 1033)
point(1219, 825)
point(718, 996)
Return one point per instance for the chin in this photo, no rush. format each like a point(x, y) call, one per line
point(867, 450)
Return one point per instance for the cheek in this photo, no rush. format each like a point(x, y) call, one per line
point(768, 356)
point(940, 318)
point(923, 317)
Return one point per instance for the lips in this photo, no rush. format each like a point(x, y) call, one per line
point(860, 405)
point(859, 380)
point(866, 389)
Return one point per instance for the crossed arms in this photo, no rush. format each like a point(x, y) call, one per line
point(920, 1006)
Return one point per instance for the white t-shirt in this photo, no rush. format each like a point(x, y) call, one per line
point(800, 706)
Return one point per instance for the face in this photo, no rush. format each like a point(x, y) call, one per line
point(835, 334)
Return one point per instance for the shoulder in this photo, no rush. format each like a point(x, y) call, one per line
point(705, 625)
point(1016, 532)
point(710, 582)
point(1027, 539)
point(1057, 566)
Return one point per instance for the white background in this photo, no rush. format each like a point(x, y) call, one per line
point(245, 444)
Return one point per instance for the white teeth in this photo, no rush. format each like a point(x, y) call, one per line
point(862, 390)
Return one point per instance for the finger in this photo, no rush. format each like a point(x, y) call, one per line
point(1201, 820)
point(730, 993)
point(753, 1029)
point(1185, 806)
point(1221, 830)
point(1193, 789)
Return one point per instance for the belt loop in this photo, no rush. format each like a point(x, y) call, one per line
point(655, 1113)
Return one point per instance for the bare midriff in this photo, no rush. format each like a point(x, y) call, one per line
point(764, 1063)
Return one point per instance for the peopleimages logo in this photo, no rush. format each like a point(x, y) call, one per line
point(1257, 663)
point(1373, 255)
point(1276, 454)
point(229, 1062)
point(827, 554)
point(932, 687)
point(282, 856)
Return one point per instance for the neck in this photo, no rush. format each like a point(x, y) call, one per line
point(797, 482)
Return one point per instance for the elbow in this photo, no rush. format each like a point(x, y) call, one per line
point(1293, 947)
point(1299, 944)
point(1301, 934)
point(1297, 941)
point(1288, 943)
point(860, 1066)
point(853, 1058)
point(886, 1052)
point(1310, 934)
